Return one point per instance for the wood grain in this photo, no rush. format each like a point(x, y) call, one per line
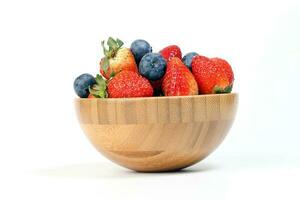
point(157, 133)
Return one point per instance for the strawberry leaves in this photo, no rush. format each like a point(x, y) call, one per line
point(112, 44)
point(119, 42)
point(220, 90)
point(104, 64)
point(105, 51)
point(98, 90)
point(113, 47)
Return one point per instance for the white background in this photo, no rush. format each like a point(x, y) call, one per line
point(44, 45)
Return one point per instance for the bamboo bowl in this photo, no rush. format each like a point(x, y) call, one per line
point(157, 133)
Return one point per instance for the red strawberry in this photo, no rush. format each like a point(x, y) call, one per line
point(178, 80)
point(124, 84)
point(226, 67)
point(212, 75)
point(129, 84)
point(91, 96)
point(170, 52)
point(116, 59)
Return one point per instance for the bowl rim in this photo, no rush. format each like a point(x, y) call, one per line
point(150, 110)
point(160, 97)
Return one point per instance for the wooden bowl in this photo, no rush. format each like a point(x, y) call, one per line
point(157, 133)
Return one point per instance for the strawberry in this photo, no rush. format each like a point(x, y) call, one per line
point(124, 84)
point(170, 52)
point(129, 84)
point(226, 67)
point(91, 96)
point(116, 59)
point(212, 75)
point(178, 79)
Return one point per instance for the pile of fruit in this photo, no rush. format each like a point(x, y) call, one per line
point(138, 72)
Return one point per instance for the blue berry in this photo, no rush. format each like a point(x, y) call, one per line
point(139, 48)
point(187, 59)
point(82, 83)
point(153, 66)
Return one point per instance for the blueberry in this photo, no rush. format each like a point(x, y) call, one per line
point(82, 83)
point(187, 59)
point(139, 48)
point(152, 66)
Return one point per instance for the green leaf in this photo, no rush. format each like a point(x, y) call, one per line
point(219, 90)
point(112, 44)
point(112, 74)
point(98, 90)
point(93, 92)
point(105, 51)
point(105, 64)
point(228, 89)
point(119, 42)
point(99, 79)
point(113, 47)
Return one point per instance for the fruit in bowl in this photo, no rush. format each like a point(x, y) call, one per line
point(156, 112)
